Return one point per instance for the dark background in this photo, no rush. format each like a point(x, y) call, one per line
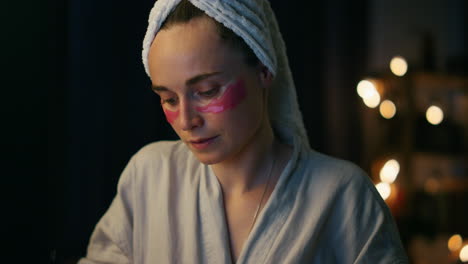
point(77, 105)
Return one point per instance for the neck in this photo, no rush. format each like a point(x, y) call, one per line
point(249, 168)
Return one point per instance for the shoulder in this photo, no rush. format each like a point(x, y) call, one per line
point(162, 161)
point(321, 161)
point(331, 169)
point(341, 181)
point(157, 159)
point(336, 178)
point(342, 190)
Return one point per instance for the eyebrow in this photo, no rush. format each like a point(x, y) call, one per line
point(191, 81)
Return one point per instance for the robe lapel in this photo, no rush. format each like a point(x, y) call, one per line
point(213, 225)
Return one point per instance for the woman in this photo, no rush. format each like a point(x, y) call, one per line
point(241, 185)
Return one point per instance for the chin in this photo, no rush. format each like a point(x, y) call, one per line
point(208, 158)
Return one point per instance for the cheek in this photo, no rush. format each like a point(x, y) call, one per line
point(234, 95)
point(171, 116)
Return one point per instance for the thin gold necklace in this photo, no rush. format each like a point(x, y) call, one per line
point(263, 195)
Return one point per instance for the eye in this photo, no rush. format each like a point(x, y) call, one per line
point(170, 101)
point(209, 93)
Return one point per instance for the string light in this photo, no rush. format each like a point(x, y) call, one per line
point(389, 171)
point(384, 189)
point(366, 89)
point(455, 242)
point(387, 109)
point(398, 66)
point(434, 115)
point(464, 254)
point(372, 101)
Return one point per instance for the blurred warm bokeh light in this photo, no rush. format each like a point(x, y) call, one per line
point(384, 189)
point(373, 101)
point(434, 115)
point(455, 242)
point(464, 254)
point(366, 89)
point(387, 109)
point(389, 171)
point(398, 66)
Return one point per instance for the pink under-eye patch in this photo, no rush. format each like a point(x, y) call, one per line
point(171, 116)
point(233, 95)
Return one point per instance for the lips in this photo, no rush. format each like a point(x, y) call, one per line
point(202, 143)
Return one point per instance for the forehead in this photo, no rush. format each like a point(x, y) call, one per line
point(180, 34)
point(187, 49)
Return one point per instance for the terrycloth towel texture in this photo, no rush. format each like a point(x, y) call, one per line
point(255, 22)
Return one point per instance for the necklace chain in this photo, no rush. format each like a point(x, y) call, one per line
point(263, 195)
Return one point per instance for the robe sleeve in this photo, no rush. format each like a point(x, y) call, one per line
point(364, 229)
point(111, 240)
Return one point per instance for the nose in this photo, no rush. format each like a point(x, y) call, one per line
point(189, 118)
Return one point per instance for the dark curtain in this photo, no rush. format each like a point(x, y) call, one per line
point(100, 109)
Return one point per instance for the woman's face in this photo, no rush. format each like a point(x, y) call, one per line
point(213, 100)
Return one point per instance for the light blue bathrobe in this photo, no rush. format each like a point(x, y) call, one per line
point(169, 209)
